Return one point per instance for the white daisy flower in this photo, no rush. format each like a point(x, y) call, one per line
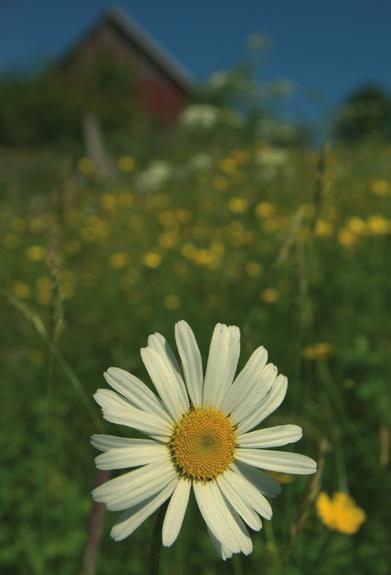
point(200, 438)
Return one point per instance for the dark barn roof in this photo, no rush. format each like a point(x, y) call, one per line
point(137, 39)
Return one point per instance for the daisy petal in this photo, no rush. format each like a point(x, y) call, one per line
point(273, 399)
point(246, 512)
point(135, 391)
point(271, 436)
point(176, 512)
point(222, 363)
point(165, 381)
point(216, 523)
point(191, 361)
point(160, 344)
point(135, 486)
point(105, 442)
point(222, 520)
point(262, 481)
point(134, 456)
point(281, 461)
point(221, 550)
point(132, 518)
point(117, 410)
point(245, 382)
point(249, 402)
point(249, 493)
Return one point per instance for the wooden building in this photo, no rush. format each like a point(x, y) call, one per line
point(163, 87)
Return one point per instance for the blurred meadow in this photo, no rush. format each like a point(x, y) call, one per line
point(228, 216)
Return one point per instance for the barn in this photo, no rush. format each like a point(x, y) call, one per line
point(163, 87)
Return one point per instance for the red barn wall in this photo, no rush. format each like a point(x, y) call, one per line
point(159, 94)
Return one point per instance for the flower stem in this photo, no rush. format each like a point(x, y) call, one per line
point(156, 542)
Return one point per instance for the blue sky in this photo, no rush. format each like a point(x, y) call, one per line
point(328, 47)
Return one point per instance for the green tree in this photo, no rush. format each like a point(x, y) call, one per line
point(365, 113)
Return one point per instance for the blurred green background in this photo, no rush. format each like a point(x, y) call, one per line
point(229, 214)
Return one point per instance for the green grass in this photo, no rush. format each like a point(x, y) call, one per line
point(91, 268)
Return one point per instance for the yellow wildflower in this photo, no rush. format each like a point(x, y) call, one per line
point(347, 239)
point(35, 253)
point(126, 164)
point(269, 295)
point(172, 302)
point(317, 351)
point(240, 156)
point(152, 260)
point(183, 216)
point(44, 290)
point(220, 183)
point(379, 187)
point(85, 166)
point(37, 225)
point(378, 225)
point(253, 269)
point(228, 166)
point(237, 205)
point(21, 290)
point(357, 226)
point(323, 228)
point(340, 512)
point(207, 258)
point(11, 241)
point(119, 260)
point(68, 284)
point(264, 209)
point(282, 478)
point(168, 240)
point(18, 225)
point(108, 202)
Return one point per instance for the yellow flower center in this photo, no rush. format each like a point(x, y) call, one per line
point(203, 444)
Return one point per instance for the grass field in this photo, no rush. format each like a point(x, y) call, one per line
point(292, 247)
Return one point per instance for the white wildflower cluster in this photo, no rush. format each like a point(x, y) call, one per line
point(154, 176)
point(200, 116)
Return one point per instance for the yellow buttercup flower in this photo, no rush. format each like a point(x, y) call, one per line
point(35, 253)
point(220, 183)
point(264, 209)
point(85, 166)
point(11, 241)
point(108, 202)
point(379, 187)
point(126, 164)
point(152, 260)
point(282, 478)
point(228, 166)
point(357, 226)
point(323, 228)
point(317, 351)
point(378, 225)
point(119, 260)
point(253, 269)
point(21, 290)
point(340, 512)
point(269, 295)
point(347, 239)
point(18, 225)
point(44, 290)
point(237, 205)
point(172, 302)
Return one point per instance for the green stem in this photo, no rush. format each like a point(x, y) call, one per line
point(156, 542)
point(55, 352)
